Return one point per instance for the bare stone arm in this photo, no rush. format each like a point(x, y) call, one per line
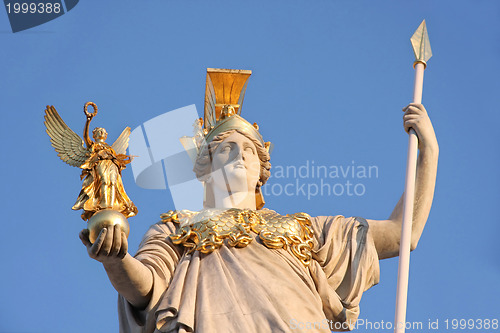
point(387, 233)
point(129, 276)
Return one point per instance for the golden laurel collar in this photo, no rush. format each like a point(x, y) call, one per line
point(206, 231)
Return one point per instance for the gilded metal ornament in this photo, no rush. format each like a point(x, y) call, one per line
point(207, 230)
point(224, 94)
point(421, 45)
point(101, 164)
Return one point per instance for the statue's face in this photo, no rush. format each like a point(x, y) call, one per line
point(100, 134)
point(236, 164)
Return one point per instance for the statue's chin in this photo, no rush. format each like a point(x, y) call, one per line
point(106, 218)
point(236, 182)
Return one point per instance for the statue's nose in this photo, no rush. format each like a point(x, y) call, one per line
point(239, 153)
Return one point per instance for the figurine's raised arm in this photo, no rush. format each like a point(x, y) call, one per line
point(89, 116)
point(387, 233)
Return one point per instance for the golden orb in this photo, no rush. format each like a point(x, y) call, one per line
point(106, 218)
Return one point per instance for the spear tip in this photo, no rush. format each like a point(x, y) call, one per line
point(421, 44)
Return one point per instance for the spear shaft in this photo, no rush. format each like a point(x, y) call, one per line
point(421, 47)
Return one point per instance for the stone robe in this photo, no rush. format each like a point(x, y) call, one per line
point(256, 289)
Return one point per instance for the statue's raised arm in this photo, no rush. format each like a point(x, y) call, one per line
point(387, 233)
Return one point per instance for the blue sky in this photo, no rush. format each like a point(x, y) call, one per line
point(328, 84)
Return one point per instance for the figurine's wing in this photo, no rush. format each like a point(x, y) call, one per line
point(68, 145)
point(121, 144)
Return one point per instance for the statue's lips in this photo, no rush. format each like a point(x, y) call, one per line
point(235, 165)
point(239, 166)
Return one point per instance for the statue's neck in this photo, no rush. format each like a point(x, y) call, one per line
point(226, 200)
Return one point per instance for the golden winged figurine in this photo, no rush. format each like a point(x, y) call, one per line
point(102, 187)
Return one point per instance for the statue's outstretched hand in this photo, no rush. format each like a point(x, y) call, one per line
point(416, 117)
point(110, 246)
point(131, 278)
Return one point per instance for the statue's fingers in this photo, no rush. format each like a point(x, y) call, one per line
point(84, 237)
point(410, 118)
point(407, 116)
point(417, 105)
point(108, 242)
point(124, 247)
point(411, 124)
point(96, 247)
point(407, 126)
point(117, 240)
point(406, 107)
point(417, 108)
point(413, 110)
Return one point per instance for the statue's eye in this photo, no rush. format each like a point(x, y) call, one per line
point(249, 150)
point(225, 149)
